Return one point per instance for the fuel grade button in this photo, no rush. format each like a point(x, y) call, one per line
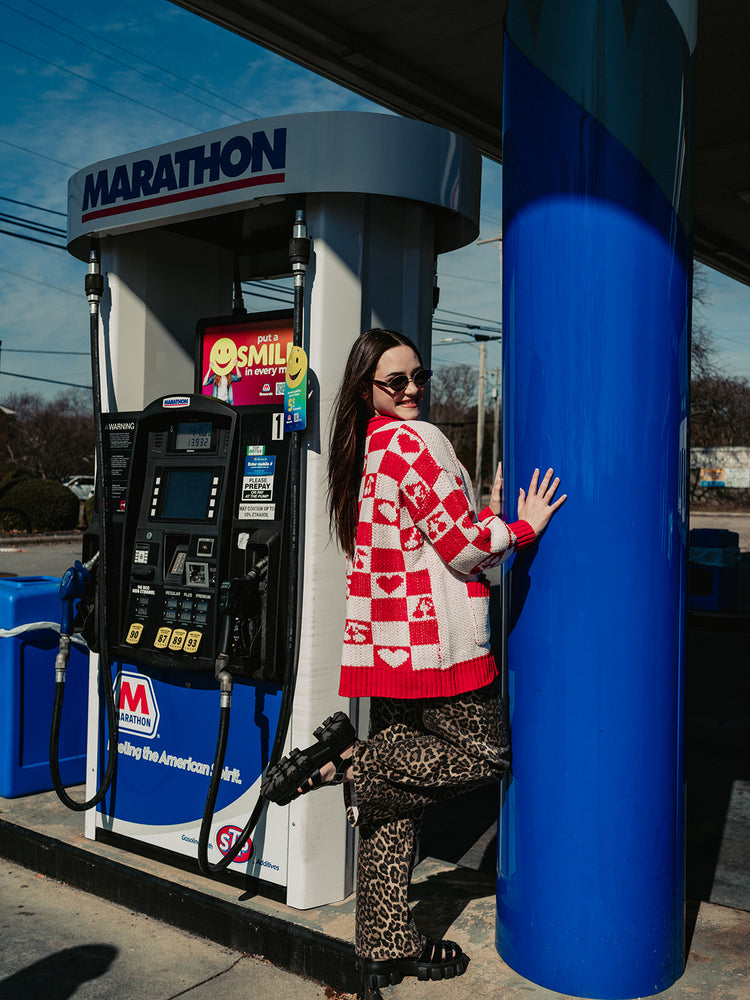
point(134, 634)
point(162, 638)
point(193, 641)
point(178, 640)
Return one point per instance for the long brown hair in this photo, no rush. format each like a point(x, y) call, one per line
point(346, 444)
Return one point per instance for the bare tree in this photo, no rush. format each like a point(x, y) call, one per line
point(50, 439)
point(720, 412)
point(702, 351)
point(720, 403)
point(453, 408)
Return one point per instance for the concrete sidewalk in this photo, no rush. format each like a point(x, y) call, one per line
point(155, 928)
point(60, 942)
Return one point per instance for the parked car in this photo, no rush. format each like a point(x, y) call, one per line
point(82, 486)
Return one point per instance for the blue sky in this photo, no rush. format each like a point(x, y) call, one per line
point(85, 81)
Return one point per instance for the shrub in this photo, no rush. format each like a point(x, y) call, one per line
point(12, 478)
point(38, 505)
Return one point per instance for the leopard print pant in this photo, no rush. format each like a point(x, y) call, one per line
point(418, 751)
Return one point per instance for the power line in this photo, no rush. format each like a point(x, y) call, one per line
point(31, 239)
point(31, 350)
point(470, 330)
point(452, 312)
point(95, 83)
point(39, 208)
point(112, 59)
point(33, 152)
point(54, 381)
point(471, 326)
point(37, 227)
point(269, 284)
point(270, 298)
point(463, 277)
point(102, 38)
point(448, 324)
point(37, 281)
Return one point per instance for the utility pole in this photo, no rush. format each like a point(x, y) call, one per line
point(480, 339)
point(495, 395)
point(480, 420)
point(496, 420)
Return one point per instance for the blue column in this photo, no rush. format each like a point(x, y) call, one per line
point(596, 318)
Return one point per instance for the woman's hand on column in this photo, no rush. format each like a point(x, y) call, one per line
point(537, 506)
point(496, 500)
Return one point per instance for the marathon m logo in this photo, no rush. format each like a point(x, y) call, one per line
point(186, 173)
point(136, 701)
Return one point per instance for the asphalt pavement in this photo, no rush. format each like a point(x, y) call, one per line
point(41, 556)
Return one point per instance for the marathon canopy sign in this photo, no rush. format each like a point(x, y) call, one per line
point(244, 165)
point(239, 162)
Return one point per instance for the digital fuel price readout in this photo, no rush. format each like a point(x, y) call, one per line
point(193, 436)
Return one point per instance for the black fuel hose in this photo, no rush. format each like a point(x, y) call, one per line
point(299, 255)
point(213, 792)
point(94, 287)
point(54, 748)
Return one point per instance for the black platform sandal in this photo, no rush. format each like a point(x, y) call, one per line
point(439, 960)
point(299, 772)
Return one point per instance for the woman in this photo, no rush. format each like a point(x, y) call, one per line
point(416, 641)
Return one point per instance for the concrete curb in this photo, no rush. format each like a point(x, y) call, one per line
point(23, 541)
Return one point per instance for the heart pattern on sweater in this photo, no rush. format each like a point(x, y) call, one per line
point(389, 584)
point(394, 657)
point(410, 444)
point(387, 510)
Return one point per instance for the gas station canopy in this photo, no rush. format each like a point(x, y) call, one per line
point(441, 62)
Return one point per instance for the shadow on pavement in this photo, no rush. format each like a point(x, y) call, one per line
point(59, 976)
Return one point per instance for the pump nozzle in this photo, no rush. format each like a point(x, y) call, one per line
point(75, 583)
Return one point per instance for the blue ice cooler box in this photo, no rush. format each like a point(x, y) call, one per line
point(27, 683)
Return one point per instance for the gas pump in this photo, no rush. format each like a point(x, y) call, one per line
point(204, 556)
point(215, 566)
point(188, 534)
point(205, 582)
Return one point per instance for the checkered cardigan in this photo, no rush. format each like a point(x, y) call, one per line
point(417, 606)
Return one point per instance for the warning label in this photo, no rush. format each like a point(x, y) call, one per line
point(257, 512)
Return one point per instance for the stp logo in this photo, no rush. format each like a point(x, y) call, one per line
point(227, 837)
point(136, 702)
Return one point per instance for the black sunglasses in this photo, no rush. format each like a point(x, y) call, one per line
point(399, 382)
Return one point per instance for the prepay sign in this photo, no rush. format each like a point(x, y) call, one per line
point(243, 362)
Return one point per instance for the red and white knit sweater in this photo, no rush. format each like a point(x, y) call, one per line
point(417, 608)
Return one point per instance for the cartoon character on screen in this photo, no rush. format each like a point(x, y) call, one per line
point(223, 369)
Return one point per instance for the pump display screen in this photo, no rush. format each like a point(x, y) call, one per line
point(185, 494)
point(193, 436)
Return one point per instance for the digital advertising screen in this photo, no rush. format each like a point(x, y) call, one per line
point(243, 361)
